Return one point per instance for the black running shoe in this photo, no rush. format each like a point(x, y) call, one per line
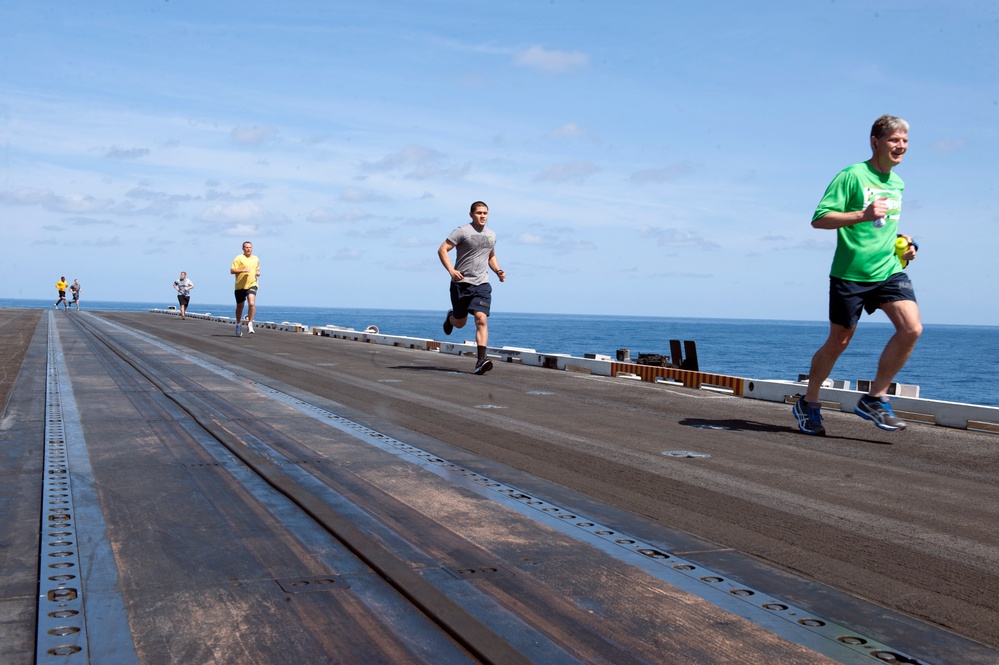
point(448, 328)
point(879, 413)
point(484, 366)
point(809, 417)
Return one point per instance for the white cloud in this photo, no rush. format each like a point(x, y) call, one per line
point(371, 231)
point(79, 204)
point(27, 196)
point(660, 175)
point(254, 136)
point(564, 240)
point(158, 208)
point(552, 62)
point(145, 194)
point(327, 216)
point(129, 153)
point(241, 217)
point(669, 237)
point(420, 163)
point(217, 195)
point(408, 157)
point(87, 221)
point(532, 240)
point(428, 171)
point(358, 195)
point(576, 170)
point(568, 130)
point(244, 230)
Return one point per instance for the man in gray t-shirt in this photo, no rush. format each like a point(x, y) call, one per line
point(76, 289)
point(470, 288)
point(183, 288)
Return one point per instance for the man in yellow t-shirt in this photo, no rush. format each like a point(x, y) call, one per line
point(61, 286)
point(246, 268)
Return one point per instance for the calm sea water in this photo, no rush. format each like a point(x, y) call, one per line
point(952, 363)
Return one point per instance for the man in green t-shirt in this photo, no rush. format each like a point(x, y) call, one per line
point(863, 204)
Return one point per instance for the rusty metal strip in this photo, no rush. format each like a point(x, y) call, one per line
point(688, 378)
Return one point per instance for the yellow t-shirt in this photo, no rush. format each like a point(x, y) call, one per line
point(245, 280)
point(61, 285)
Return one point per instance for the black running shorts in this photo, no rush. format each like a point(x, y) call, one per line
point(848, 299)
point(242, 293)
point(467, 298)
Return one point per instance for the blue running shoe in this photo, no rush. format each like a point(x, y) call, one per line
point(809, 417)
point(879, 412)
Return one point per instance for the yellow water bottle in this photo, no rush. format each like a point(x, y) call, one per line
point(901, 245)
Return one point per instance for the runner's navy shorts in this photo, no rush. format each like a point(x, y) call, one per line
point(467, 298)
point(242, 293)
point(848, 299)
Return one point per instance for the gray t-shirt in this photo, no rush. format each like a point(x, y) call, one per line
point(184, 286)
point(473, 248)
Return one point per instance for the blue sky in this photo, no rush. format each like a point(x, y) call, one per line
point(639, 158)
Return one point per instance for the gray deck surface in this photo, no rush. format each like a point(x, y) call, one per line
point(892, 535)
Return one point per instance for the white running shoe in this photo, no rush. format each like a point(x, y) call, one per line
point(239, 330)
point(249, 327)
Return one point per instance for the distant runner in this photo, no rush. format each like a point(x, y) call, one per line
point(183, 288)
point(470, 288)
point(863, 204)
point(61, 288)
point(76, 290)
point(246, 268)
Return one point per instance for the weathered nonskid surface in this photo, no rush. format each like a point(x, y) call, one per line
point(539, 503)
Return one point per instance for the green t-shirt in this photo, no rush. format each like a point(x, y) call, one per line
point(864, 252)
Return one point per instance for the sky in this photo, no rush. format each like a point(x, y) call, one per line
point(638, 158)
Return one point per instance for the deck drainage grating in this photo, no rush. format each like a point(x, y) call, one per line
point(61, 628)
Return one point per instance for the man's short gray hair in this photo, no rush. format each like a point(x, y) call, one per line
point(886, 125)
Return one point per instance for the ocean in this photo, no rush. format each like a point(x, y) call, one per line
point(951, 362)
